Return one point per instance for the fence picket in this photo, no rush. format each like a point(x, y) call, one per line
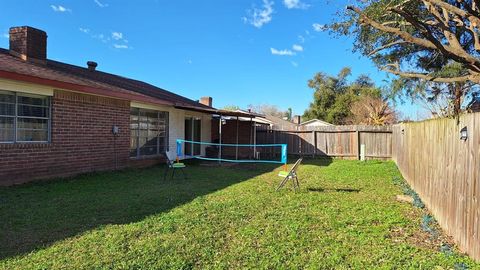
point(337, 141)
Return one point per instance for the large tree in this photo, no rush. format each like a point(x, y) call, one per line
point(429, 44)
point(334, 95)
point(373, 111)
point(268, 109)
point(231, 107)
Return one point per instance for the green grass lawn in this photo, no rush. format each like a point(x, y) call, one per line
point(344, 217)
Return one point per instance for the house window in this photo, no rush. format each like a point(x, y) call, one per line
point(149, 132)
point(24, 118)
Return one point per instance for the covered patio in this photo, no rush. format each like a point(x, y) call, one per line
point(232, 127)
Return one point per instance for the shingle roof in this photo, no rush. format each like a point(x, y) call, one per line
point(62, 72)
point(281, 124)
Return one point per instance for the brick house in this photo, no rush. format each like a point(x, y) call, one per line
point(59, 120)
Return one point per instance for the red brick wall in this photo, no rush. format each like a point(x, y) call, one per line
point(82, 141)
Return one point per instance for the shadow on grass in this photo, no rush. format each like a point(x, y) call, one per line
point(36, 215)
point(308, 160)
point(348, 190)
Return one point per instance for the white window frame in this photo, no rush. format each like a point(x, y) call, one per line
point(16, 117)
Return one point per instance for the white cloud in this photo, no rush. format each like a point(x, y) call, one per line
point(116, 40)
point(117, 35)
point(297, 48)
point(319, 27)
point(295, 64)
point(260, 16)
point(84, 30)
point(100, 4)
point(5, 35)
point(101, 37)
point(60, 8)
point(120, 46)
point(301, 38)
point(282, 52)
point(295, 4)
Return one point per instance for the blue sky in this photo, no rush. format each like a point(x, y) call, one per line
point(240, 52)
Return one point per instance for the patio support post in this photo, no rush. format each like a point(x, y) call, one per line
point(254, 140)
point(255, 136)
point(251, 136)
point(220, 139)
point(236, 147)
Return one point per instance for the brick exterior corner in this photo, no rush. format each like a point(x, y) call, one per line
point(81, 141)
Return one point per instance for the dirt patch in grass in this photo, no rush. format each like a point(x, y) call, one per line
point(424, 233)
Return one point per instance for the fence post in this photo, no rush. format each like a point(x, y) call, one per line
point(358, 142)
point(299, 143)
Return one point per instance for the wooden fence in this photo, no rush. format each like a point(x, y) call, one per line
point(336, 141)
point(444, 171)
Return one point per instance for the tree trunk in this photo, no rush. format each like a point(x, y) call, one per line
point(458, 88)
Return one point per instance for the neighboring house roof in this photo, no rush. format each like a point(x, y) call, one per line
point(250, 112)
point(62, 75)
point(257, 119)
point(316, 120)
point(474, 105)
point(281, 124)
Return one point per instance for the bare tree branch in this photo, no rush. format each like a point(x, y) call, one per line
point(393, 30)
point(452, 49)
point(471, 9)
point(386, 46)
point(453, 9)
point(430, 77)
point(396, 23)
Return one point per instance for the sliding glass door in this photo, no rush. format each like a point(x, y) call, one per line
point(193, 132)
